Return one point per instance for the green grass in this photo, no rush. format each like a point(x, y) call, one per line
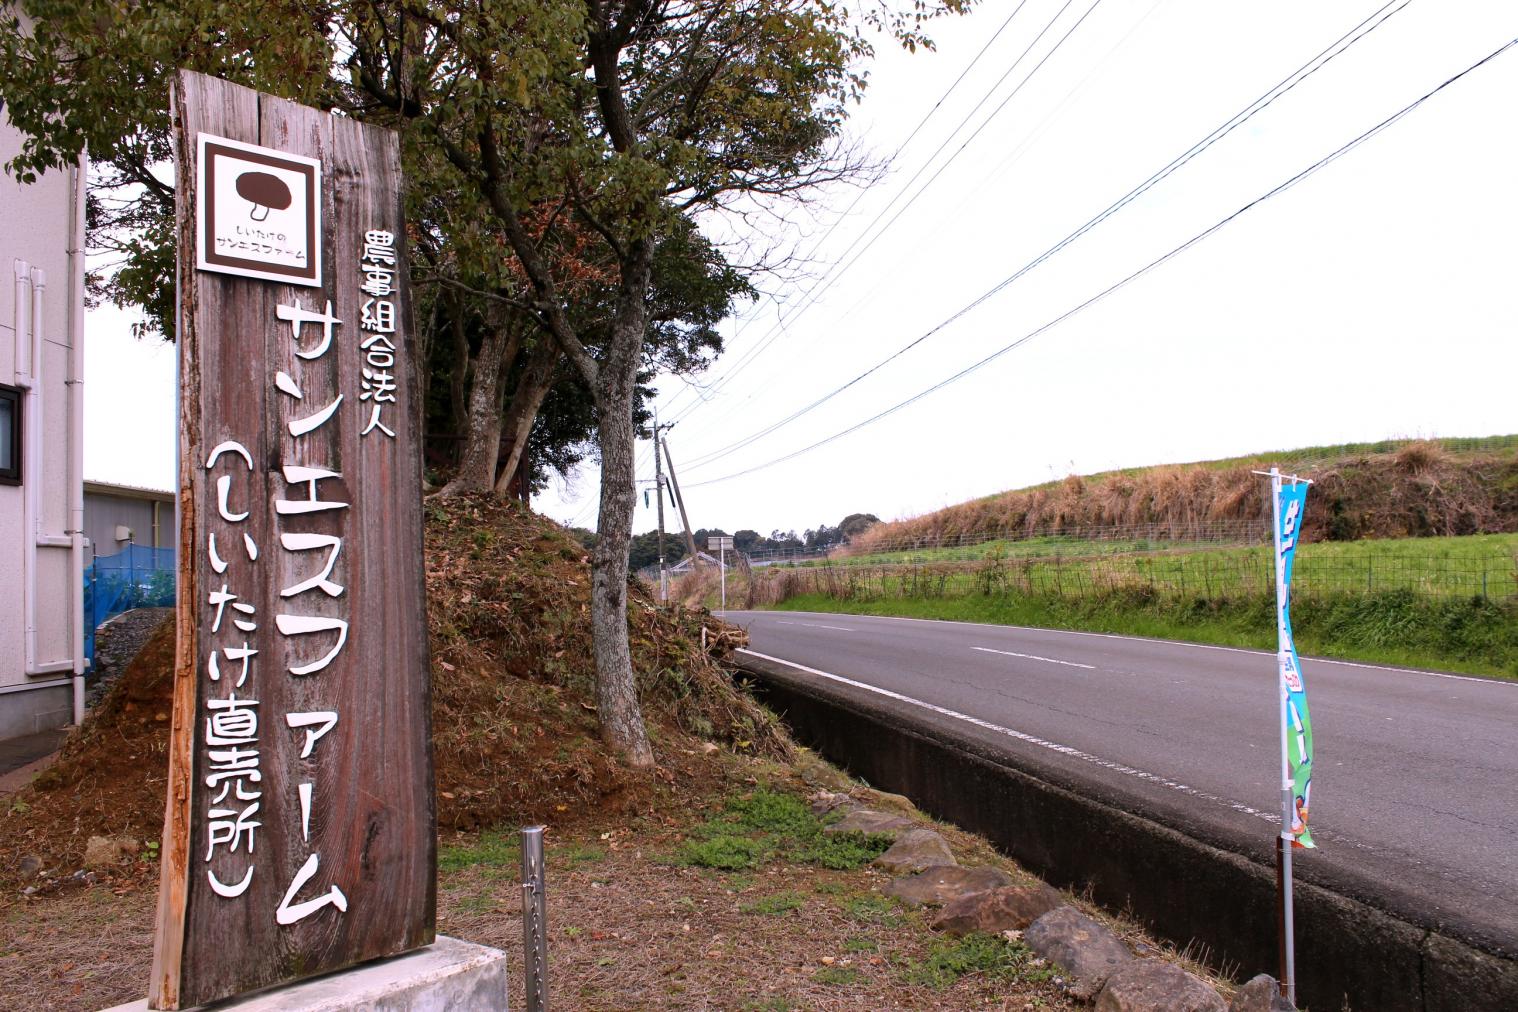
point(873, 908)
point(769, 825)
point(1447, 603)
point(1483, 565)
point(984, 955)
point(574, 855)
point(493, 850)
point(838, 976)
point(724, 852)
point(776, 905)
point(1046, 546)
point(1398, 628)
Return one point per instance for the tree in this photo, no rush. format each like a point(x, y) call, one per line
point(856, 524)
point(630, 116)
point(543, 121)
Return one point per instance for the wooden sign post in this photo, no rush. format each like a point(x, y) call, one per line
point(300, 829)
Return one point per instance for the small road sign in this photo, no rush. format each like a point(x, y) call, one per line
point(716, 544)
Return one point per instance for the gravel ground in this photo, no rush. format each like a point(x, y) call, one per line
point(117, 642)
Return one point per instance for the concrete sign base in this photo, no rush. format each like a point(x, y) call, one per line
point(446, 976)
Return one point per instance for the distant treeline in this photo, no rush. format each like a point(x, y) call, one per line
point(645, 546)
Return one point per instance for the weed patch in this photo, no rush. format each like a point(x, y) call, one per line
point(873, 908)
point(765, 825)
point(986, 955)
point(490, 850)
point(725, 853)
point(776, 905)
point(838, 976)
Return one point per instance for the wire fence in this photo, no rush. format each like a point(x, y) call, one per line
point(1020, 541)
point(136, 577)
point(1217, 575)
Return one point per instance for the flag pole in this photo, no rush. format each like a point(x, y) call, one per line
point(1288, 982)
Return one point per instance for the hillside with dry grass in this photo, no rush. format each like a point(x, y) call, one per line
point(1416, 488)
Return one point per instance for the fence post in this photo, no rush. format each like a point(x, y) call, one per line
point(1369, 571)
point(534, 920)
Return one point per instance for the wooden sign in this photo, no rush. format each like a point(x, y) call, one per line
point(300, 829)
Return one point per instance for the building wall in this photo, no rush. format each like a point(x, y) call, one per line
point(35, 227)
point(105, 511)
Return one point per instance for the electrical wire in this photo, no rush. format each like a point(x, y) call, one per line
point(828, 277)
point(845, 266)
point(860, 196)
point(1285, 85)
point(1278, 190)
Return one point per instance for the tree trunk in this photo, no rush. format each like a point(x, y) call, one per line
point(482, 435)
point(458, 380)
point(532, 389)
point(617, 705)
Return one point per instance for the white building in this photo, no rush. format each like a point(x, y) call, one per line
point(42, 545)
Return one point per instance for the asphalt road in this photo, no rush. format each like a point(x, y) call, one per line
point(1415, 793)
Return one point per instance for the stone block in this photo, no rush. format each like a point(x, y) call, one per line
point(447, 976)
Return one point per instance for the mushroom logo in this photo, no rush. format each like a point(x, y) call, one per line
point(264, 191)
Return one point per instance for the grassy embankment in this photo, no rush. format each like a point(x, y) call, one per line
point(1446, 603)
point(1409, 556)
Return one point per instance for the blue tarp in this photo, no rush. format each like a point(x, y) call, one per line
point(135, 578)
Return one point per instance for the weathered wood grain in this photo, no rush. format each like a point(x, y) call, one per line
point(372, 815)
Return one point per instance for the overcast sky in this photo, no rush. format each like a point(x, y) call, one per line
point(1375, 299)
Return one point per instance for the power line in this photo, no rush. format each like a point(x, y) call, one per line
point(860, 195)
point(843, 269)
point(1285, 85)
point(1282, 188)
point(829, 277)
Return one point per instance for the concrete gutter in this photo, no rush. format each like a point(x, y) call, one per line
point(1355, 949)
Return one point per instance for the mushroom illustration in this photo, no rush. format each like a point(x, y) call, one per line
point(264, 191)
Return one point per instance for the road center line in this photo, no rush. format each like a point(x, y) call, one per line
point(1035, 657)
point(1065, 750)
point(817, 625)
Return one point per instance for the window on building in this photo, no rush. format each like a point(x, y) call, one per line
point(10, 436)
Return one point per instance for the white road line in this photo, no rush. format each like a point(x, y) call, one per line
point(1065, 750)
point(1196, 646)
point(817, 625)
point(1035, 657)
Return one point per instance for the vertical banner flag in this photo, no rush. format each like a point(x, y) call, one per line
point(1292, 501)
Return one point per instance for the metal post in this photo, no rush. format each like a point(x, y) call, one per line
point(722, 567)
point(674, 484)
point(659, 491)
point(1288, 953)
point(534, 920)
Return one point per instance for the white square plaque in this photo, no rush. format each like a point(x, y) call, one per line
point(259, 212)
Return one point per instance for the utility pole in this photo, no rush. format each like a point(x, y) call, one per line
point(659, 491)
point(674, 483)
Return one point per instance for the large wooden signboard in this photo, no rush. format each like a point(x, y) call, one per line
point(300, 829)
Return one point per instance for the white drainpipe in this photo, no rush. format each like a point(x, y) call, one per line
point(34, 382)
point(22, 325)
point(76, 432)
point(32, 461)
point(32, 480)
